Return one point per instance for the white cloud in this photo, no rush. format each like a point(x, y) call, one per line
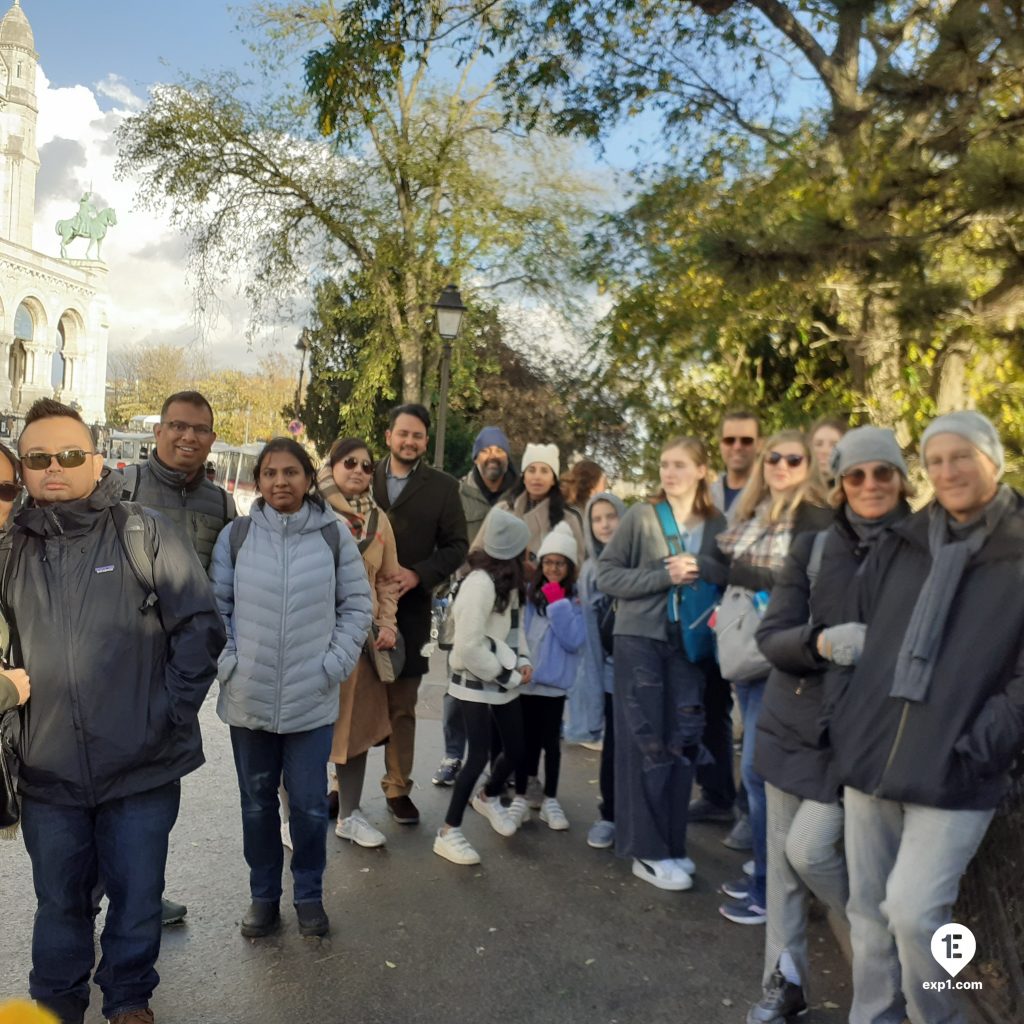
point(150, 297)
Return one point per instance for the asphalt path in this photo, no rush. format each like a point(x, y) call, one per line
point(544, 930)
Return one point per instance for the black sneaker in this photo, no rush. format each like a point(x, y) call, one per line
point(403, 810)
point(703, 809)
point(780, 1003)
point(171, 913)
point(312, 919)
point(261, 919)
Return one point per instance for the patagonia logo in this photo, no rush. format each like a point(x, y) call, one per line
point(104, 568)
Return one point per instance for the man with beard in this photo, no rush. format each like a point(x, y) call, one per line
point(426, 514)
point(491, 476)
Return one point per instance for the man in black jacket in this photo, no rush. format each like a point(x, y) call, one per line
point(430, 530)
point(926, 730)
point(119, 671)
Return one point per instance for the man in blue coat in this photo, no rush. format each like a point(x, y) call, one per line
point(119, 671)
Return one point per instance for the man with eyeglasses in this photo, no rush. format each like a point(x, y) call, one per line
point(119, 671)
point(426, 514)
point(739, 440)
point(174, 480)
point(492, 476)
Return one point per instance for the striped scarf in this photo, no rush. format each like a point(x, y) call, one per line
point(355, 511)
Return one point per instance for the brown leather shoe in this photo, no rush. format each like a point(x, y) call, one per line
point(403, 810)
point(142, 1016)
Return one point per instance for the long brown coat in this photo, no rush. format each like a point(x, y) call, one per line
point(363, 720)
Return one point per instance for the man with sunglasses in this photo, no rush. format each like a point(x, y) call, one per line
point(119, 671)
point(739, 440)
point(174, 480)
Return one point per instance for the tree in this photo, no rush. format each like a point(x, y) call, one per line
point(393, 187)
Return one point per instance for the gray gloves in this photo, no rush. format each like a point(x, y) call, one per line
point(842, 644)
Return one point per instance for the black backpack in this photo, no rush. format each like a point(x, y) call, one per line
point(240, 530)
point(605, 609)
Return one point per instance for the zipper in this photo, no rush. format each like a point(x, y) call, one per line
point(895, 746)
point(284, 611)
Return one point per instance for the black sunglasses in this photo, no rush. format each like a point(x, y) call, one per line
point(9, 490)
point(67, 459)
point(351, 462)
point(745, 441)
point(774, 458)
point(880, 474)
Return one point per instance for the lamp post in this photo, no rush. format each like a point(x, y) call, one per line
point(450, 311)
point(301, 345)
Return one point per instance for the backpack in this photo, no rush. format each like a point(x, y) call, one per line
point(604, 608)
point(240, 530)
point(133, 480)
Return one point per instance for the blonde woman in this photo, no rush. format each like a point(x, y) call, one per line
point(781, 499)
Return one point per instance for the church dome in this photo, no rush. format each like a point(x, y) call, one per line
point(15, 29)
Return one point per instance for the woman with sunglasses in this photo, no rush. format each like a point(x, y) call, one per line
point(781, 499)
point(804, 632)
point(14, 682)
point(292, 591)
point(363, 721)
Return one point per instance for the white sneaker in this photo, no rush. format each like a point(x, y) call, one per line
point(663, 874)
point(519, 810)
point(454, 846)
point(357, 829)
point(286, 835)
point(687, 865)
point(552, 815)
point(534, 793)
point(490, 807)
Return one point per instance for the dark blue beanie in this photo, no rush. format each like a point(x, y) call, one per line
point(491, 436)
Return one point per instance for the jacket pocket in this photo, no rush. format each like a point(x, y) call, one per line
point(226, 666)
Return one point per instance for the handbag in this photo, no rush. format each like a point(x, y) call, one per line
point(736, 623)
point(690, 606)
point(389, 664)
point(10, 811)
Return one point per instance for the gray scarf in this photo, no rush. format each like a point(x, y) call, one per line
point(952, 546)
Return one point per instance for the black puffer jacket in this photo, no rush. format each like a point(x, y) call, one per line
point(115, 691)
point(953, 750)
point(791, 752)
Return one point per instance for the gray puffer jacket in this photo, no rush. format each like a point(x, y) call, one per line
point(198, 507)
point(295, 626)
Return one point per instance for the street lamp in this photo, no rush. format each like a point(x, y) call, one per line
point(450, 310)
point(301, 345)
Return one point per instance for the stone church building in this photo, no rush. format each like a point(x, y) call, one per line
point(53, 312)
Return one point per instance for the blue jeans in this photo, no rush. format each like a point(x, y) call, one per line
point(454, 728)
point(261, 759)
point(750, 696)
point(586, 706)
point(124, 842)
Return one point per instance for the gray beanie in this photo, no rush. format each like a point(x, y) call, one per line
point(505, 535)
point(972, 427)
point(866, 444)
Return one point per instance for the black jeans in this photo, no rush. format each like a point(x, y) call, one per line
point(718, 781)
point(607, 778)
point(479, 718)
point(542, 725)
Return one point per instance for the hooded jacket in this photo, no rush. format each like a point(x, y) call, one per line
point(198, 506)
point(295, 625)
point(953, 750)
point(115, 691)
point(790, 751)
point(596, 663)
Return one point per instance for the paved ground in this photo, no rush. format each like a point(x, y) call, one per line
point(545, 930)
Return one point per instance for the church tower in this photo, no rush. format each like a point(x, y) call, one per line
point(19, 159)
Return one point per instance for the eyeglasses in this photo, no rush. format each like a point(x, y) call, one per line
point(67, 459)
point(554, 563)
point(880, 474)
point(774, 458)
point(181, 427)
point(9, 491)
point(746, 442)
point(351, 462)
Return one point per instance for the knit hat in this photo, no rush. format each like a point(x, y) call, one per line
point(972, 427)
point(505, 535)
point(866, 444)
point(560, 541)
point(545, 453)
point(491, 436)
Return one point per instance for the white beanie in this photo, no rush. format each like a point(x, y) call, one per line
point(545, 453)
point(560, 541)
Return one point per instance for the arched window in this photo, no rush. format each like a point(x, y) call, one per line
point(24, 324)
point(24, 331)
point(59, 364)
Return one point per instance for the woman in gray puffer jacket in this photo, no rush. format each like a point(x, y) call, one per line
point(291, 588)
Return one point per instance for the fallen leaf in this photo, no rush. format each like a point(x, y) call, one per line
point(365, 871)
point(587, 963)
point(727, 1002)
point(829, 1005)
point(388, 963)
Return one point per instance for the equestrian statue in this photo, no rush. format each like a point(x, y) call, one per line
point(87, 223)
